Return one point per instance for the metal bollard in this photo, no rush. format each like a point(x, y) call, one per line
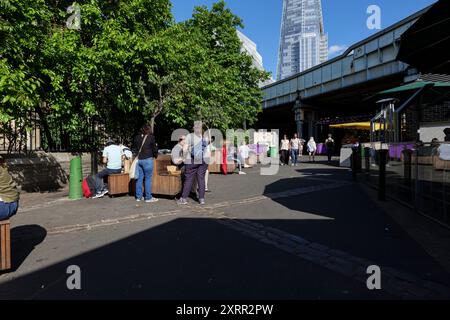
point(354, 161)
point(382, 156)
point(407, 168)
point(367, 158)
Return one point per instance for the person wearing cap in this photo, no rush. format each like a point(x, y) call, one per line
point(9, 196)
point(112, 157)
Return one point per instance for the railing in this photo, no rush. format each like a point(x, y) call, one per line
point(19, 136)
point(417, 175)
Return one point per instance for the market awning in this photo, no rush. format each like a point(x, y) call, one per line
point(355, 126)
point(416, 85)
point(425, 44)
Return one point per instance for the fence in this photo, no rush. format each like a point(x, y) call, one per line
point(19, 136)
point(416, 175)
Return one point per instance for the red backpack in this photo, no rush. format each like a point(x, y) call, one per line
point(88, 186)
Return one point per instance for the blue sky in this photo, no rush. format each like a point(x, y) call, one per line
point(345, 20)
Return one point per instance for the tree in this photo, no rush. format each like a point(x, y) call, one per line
point(226, 86)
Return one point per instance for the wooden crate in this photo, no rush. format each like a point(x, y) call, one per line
point(216, 160)
point(163, 183)
point(118, 184)
point(5, 245)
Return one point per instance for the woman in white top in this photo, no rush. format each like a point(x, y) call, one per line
point(284, 147)
point(312, 148)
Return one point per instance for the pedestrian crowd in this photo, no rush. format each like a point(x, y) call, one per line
point(291, 150)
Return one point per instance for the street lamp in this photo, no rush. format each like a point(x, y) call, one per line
point(298, 114)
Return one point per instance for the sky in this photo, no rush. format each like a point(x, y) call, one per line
point(345, 21)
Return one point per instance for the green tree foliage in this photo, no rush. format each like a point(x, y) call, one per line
point(129, 63)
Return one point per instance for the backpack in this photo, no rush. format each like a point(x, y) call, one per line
point(88, 186)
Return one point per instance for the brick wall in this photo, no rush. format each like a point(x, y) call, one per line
point(437, 114)
point(42, 172)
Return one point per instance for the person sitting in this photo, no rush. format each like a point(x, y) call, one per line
point(112, 157)
point(127, 158)
point(9, 196)
point(444, 151)
point(435, 147)
point(447, 134)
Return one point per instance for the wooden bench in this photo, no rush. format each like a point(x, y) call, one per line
point(163, 183)
point(440, 164)
point(5, 245)
point(118, 184)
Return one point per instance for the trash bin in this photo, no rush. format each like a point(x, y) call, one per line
point(273, 152)
point(75, 179)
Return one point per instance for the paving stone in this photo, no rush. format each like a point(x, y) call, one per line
point(297, 239)
point(305, 252)
point(319, 247)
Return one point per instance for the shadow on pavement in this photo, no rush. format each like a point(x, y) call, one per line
point(23, 241)
point(203, 258)
point(345, 218)
point(188, 259)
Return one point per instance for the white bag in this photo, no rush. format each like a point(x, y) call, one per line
point(134, 174)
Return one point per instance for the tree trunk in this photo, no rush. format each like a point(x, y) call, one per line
point(44, 124)
point(152, 123)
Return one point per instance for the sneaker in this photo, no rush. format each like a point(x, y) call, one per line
point(98, 195)
point(138, 200)
point(242, 172)
point(202, 201)
point(104, 192)
point(152, 200)
point(182, 201)
point(207, 190)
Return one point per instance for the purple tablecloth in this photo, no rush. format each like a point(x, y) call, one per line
point(395, 150)
point(258, 149)
point(320, 147)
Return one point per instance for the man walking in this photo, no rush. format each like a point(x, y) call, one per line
point(295, 149)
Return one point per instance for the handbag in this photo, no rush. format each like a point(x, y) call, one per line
point(133, 172)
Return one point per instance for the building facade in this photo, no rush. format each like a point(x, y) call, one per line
point(303, 41)
point(249, 47)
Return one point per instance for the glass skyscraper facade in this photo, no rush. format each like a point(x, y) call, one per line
point(303, 42)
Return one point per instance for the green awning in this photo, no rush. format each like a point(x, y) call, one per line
point(415, 85)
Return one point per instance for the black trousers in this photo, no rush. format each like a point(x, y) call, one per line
point(330, 154)
point(285, 156)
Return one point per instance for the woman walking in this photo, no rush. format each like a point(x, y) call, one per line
point(312, 148)
point(197, 165)
point(284, 147)
point(144, 147)
point(329, 143)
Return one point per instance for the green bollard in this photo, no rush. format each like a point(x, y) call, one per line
point(273, 152)
point(75, 179)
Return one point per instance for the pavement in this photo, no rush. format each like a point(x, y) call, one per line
point(308, 232)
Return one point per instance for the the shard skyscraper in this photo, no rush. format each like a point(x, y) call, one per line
point(303, 42)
